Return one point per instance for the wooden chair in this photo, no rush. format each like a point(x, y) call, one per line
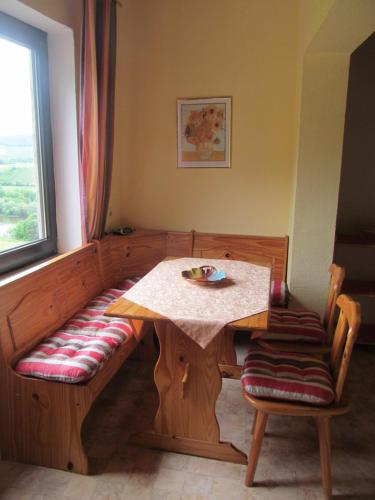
point(344, 337)
point(287, 331)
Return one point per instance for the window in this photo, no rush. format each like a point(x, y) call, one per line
point(27, 200)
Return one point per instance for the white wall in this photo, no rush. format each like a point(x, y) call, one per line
point(318, 176)
point(325, 77)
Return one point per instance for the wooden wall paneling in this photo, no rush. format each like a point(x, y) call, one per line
point(81, 280)
point(138, 253)
point(107, 269)
point(180, 244)
point(261, 250)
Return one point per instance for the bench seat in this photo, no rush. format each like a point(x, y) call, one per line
point(77, 350)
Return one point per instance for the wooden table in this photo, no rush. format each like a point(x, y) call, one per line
point(189, 382)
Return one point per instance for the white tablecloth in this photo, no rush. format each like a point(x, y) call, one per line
point(202, 311)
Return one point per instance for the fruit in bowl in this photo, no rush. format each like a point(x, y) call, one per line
point(204, 275)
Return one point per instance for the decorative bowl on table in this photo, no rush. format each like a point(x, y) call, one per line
point(204, 275)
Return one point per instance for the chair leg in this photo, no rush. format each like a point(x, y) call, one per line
point(261, 420)
point(323, 424)
point(254, 422)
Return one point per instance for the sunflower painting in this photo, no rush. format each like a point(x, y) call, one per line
point(203, 132)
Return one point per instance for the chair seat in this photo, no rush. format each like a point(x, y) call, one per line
point(287, 376)
point(292, 325)
point(77, 350)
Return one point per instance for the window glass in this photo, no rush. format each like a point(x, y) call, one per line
point(21, 211)
point(27, 212)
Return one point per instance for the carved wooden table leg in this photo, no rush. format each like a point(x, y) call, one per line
point(189, 382)
point(227, 355)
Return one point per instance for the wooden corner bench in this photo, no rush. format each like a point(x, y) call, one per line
point(41, 420)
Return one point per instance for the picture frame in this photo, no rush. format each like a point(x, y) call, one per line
point(204, 132)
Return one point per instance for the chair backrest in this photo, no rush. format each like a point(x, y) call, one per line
point(335, 285)
point(343, 340)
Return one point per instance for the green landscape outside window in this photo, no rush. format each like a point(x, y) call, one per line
point(20, 215)
point(27, 206)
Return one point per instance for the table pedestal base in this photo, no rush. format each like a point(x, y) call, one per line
point(227, 355)
point(219, 451)
point(188, 380)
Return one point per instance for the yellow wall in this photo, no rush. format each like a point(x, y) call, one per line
point(286, 134)
point(248, 49)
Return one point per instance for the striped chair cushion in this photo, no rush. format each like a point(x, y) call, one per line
point(293, 377)
point(76, 351)
point(291, 325)
point(279, 293)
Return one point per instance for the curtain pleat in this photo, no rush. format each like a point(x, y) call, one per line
point(98, 63)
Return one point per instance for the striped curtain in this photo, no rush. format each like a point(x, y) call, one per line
point(97, 113)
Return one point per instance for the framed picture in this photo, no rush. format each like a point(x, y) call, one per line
point(203, 132)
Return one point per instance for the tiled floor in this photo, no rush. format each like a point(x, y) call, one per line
point(288, 466)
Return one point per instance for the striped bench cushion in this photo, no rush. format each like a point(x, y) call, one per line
point(93, 323)
point(127, 283)
point(105, 299)
point(76, 351)
point(291, 325)
point(102, 301)
point(279, 293)
point(293, 377)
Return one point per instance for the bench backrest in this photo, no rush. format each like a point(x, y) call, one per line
point(134, 255)
point(34, 305)
point(266, 250)
point(263, 250)
point(39, 302)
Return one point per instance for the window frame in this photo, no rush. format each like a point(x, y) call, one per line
point(34, 39)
